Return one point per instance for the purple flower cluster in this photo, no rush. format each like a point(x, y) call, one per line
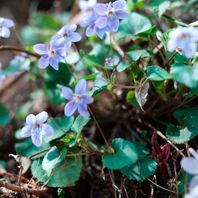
point(105, 18)
point(5, 25)
point(185, 39)
point(56, 50)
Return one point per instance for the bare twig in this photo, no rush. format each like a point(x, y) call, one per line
point(39, 152)
point(158, 186)
point(12, 48)
point(21, 189)
point(99, 128)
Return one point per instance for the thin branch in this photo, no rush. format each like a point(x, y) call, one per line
point(39, 152)
point(170, 59)
point(158, 186)
point(160, 134)
point(99, 128)
point(12, 48)
point(21, 189)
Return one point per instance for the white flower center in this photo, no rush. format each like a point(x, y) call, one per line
point(65, 35)
point(110, 10)
point(37, 126)
point(52, 53)
point(184, 36)
point(77, 98)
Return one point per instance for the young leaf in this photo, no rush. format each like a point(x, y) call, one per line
point(189, 129)
point(140, 170)
point(65, 174)
point(143, 168)
point(53, 159)
point(157, 73)
point(134, 25)
point(125, 154)
point(80, 123)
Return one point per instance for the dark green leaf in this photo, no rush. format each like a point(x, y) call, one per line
point(125, 154)
point(66, 174)
point(4, 115)
point(53, 158)
point(157, 73)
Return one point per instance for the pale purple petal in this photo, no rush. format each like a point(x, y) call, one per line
point(26, 131)
point(87, 99)
point(193, 193)
point(101, 32)
point(47, 130)
point(82, 109)
point(122, 14)
point(101, 22)
point(80, 87)
point(71, 28)
point(113, 24)
point(41, 49)
point(189, 50)
point(193, 153)
point(100, 9)
point(4, 32)
point(30, 119)
point(90, 30)
point(53, 61)
point(193, 183)
point(87, 20)
point(67, 93)
point(36, 137)
point(75, 37)
point(190, 165)
point(41, 117)
point(120, 4)
point(70, 108)
point(43, 62)
point(7, 23)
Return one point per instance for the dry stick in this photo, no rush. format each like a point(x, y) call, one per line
point(99, 128)
point(39, 152)
point(160, 134)
point(20, 189)
point(116, 46)
point(170, 59)
point(164, 137)
point(12, 48)
point(20, 171)
point(158, 186)
point(176, 183)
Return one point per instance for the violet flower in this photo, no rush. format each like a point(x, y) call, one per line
point(36, 128)
point(110, 14)
point(89, 21)
point(105, 18)
point(5, 24)
point(50, 55)
point(78, 100)
point(185, 39)
point(66, 36)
